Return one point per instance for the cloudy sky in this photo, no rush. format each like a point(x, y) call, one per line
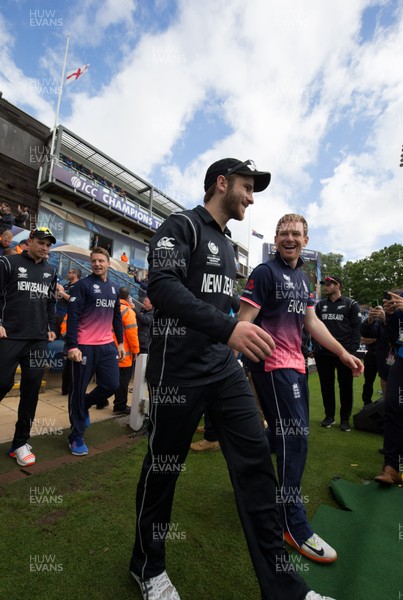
point(311, 91)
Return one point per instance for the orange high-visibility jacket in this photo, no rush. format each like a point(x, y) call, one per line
point(63, 326)
point(130, 334)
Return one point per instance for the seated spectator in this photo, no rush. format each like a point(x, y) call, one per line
point(124, 257)
point(6, 238)
point(20, 220)
point(6, 218)
point(69, 162)
point(22, 246)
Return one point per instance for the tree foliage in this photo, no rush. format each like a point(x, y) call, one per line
point(331, 264)
point(369, 277)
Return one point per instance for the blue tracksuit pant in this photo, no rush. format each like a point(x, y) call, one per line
point(284, 398)
point(103, 361)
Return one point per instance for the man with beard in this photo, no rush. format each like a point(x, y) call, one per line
point(342, 317)
point(191, 369)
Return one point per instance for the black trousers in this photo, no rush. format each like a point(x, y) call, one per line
point(327, 366)
point(120, 400)
point(393, 418)
point(370, 373)
point(32, 356)
point(174, 416)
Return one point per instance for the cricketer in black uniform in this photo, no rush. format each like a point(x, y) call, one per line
point(27, 313)
point(191, 369)
point(342, 317)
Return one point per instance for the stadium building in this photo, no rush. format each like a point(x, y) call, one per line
point(84, 196)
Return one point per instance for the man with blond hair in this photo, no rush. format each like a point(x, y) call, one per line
point(277, 298)
point(94, 310)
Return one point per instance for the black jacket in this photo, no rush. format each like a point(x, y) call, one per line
point(343, 319)
point(27, 297)
point(144, 321)
point(191, 283)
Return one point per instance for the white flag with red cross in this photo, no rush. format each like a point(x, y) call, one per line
point(74, 75)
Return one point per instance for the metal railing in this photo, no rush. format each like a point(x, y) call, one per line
point(66, 262)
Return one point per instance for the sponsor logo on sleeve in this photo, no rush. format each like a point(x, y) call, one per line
point(165, 243)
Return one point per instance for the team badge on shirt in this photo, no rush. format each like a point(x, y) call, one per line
point(213, 259)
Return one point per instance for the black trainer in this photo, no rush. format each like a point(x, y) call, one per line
point(125, 410)
point(327, 422)
point(345, 426)
point(102, 405)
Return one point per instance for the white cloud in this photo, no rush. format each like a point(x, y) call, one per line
point(15, 85)
point(95, 17)
point(292, 86)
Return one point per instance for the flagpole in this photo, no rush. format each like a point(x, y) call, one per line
point(52, 147)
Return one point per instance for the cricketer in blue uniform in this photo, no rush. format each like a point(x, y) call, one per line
point(93, 311)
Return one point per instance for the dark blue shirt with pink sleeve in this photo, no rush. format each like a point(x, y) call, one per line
point(94, 309)
point(281, 294)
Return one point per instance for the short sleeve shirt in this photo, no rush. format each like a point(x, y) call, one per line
point(281, 294)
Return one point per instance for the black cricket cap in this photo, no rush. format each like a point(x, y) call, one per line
point(42, 233)
point(331, 279)
point(228, 166)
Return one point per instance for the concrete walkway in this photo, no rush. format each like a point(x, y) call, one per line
point(51, 413)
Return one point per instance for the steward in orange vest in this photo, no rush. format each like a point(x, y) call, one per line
point(130, 333)
point(132, 348)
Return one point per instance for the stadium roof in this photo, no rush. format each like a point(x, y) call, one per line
point(145, 192)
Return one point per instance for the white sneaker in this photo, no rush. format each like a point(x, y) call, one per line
point(318, 550)
point(314, 548)
point(24, 456)
point(314, 596)
point(157, 588)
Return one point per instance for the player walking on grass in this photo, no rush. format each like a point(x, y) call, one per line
point(276, 298)
point(191, 369)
